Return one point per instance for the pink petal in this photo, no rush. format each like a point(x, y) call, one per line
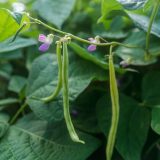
point(42, 38)
point(91, 48)
point(44, 47)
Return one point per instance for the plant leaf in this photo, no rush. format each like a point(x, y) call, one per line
point(19, 43)
point(3, 124)
point(155, 123)
point(39, 140)
point(150, 93)
point(10, 23)
point(106, 7)
point(132, 4)
point(142, 22)
point(17, 83)
point(55, 12)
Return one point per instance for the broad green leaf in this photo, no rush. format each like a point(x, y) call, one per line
point(107, 6)
point(155, 123)
point(55, 12)
point(11, 55)
point(103, 110)
point(36, 139)
point(17, 83)
point(151, 88)
point(142, 22)
point(133, 126)
point(10, 23)
point(52, 111)
point(19, 43)
point(43, 80)
point(3, 124)
point(4, 117)
point(122, 8)
point(115, 32)
point(132, 4)
point(132, 135)
point(11, 50)
point(85, 108)
point(6, 70)
point(136, 56)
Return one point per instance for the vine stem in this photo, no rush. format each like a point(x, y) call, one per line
point(18, 113)
point(115, 107)
point(78, 38)
point(153, 15)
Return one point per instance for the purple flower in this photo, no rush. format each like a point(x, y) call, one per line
point(92, 47)
point(46, 41)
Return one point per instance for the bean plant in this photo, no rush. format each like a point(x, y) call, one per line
point(79, 80)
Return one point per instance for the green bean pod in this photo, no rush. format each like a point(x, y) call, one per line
point(67, 117)
point(59, 85)
point(115, 108)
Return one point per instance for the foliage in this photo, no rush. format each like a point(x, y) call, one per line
point(87, 105)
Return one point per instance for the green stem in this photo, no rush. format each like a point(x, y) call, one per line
point(67, 117)
point(18, 113)
point(153, 15)
point(59, 85)
point(81, 39)
point(115, 108)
